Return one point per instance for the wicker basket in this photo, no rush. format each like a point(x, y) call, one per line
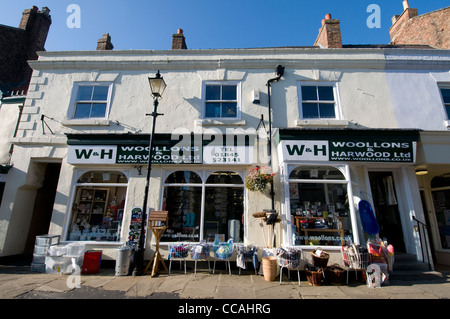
point(314, 277)
point(322, 260)
point(259, 215)
point(335, 275)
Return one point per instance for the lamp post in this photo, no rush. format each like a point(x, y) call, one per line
point(157, 86)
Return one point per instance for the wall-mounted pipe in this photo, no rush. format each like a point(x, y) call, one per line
point(279, 72)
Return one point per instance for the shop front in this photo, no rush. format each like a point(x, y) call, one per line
point(326, 173)
point(200, 184)
point(433, 174)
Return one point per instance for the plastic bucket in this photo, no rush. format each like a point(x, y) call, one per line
point(270, 268)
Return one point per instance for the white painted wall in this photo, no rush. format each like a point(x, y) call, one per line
point(368, 98)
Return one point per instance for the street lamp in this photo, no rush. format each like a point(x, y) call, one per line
point(157, 86)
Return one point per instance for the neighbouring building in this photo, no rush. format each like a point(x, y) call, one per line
point(17, 46)
point(348, 123)
point(431, 28)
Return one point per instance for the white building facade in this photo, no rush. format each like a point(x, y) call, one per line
point(341, 134)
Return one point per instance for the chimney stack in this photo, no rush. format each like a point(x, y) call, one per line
point(399, 20)
point(329, 34)
point(105, 43)
point(178, 41)
point(37, 25)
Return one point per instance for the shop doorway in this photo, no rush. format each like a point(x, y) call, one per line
point(43, 206)
point(385, 202)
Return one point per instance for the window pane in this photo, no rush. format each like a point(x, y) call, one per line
point(326, 93)
point(326, 110)
point(98, 110)
point(446, 95)
point(229, 92)
point(310, 111)
point(212, 110)
point(84, 93)
point(447, 108)
point(224, 178)
point(309, 93)
point(229, 109)
point(183, 177)
point(212, 92)
point(98, 211)
point(82, 111)
point(103, 177)
point(321, 214)
point(223, 212)
point(316, 172)
point(100, 93)
point(184, 206)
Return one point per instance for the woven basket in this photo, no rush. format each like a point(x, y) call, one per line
point(322, 260)
point(259, 215)
point(335, 275)
point(315, 278)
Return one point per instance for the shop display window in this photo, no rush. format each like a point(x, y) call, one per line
point(319, 206)
point(441, 200)
point(97, 211)
point(203, 205)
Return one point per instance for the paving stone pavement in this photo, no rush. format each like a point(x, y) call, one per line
point(19, 283)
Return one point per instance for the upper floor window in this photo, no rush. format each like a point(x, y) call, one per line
point(91, 100)
point(221, 100)
point(445, 92)
point(318, 102)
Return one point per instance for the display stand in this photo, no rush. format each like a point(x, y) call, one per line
point(158, 221)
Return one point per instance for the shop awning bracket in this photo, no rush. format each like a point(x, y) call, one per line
point(261, 121)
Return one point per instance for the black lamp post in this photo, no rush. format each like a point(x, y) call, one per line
point(157, 85)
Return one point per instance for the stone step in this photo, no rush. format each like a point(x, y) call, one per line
point(418, 276)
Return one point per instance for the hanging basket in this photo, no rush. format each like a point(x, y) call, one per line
point(258, 179)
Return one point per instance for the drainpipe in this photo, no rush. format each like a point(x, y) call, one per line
point(279, 72)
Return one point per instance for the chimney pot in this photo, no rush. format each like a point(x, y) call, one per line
point(405, 5)
point(180, 31)
point(328, 16)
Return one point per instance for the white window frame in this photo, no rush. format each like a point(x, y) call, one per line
point(73, 102)
point(337, 106)
point(238, 99)
point(69, 214)
point(444, 86)
point(345, 170)
point(204, 174)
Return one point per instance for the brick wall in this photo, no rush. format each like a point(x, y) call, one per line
point(18, 45)
point(429, 29)
point(12, 55)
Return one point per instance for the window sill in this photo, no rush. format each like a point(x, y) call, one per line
point(220, 122)
point(86, 122)
point(322, 123)
point(447, 124)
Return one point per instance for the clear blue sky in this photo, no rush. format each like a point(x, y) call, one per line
point(149, 24)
